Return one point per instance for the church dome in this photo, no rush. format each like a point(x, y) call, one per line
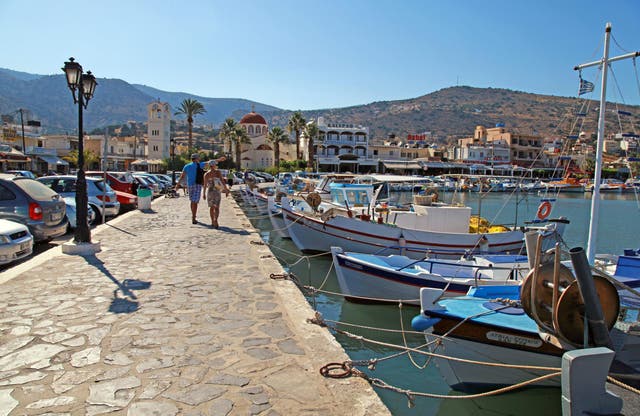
point(253, 118)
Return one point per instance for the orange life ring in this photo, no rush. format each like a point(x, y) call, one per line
point(544, 210)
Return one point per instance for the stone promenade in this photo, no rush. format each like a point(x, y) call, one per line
point(169, 318)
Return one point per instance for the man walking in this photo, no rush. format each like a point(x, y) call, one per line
point(195, 174)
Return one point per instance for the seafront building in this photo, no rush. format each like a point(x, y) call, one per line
point(339, 147)
point(497, 145)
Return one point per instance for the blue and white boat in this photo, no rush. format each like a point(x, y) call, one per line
point(371, 278)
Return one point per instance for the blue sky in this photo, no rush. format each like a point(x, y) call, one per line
point(324, 54)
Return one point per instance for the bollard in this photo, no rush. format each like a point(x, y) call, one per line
point(584, 376)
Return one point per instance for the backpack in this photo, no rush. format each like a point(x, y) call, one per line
point(199, 174)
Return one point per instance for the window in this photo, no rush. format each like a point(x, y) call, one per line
point(5, 194)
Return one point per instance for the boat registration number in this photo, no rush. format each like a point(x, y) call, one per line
point(513, 339)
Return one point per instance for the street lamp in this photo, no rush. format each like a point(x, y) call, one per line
point(85, 84)
point(172, 149)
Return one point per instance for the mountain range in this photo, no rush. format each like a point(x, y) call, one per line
point(447, 113)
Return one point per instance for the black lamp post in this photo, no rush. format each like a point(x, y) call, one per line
point(85, 84)
point(172, 150)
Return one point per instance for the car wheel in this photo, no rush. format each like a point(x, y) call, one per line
point(68, 225)
point(98, 218)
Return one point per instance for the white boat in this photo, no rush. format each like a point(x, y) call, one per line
point(370, 278)
point(437, 230)
point(275, 216)
point(546, 317)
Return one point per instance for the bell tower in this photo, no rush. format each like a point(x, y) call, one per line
point(158, 130)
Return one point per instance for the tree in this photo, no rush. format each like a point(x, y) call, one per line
point(277, 136)
point(295, 125)
point(240, 137)
point(227, 131)
point(311, 131)
point(190, 108)
point(90, 159)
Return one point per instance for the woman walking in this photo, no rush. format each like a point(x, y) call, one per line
point(214, 184)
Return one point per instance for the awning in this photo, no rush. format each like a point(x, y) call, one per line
point(402, 165)
point(53, 160)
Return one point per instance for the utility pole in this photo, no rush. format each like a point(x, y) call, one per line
point(24, 149)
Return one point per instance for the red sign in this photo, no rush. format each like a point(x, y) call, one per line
point(416, 137)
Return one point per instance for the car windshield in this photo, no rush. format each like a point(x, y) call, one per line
point(35, 189)
point(104, 187)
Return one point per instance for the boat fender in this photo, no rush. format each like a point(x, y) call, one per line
point(421, 322)
point(544, 210)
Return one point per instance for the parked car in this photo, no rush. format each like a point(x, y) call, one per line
point(118, 181)
point(163, 185)
point(150, 182)
point(128, 200)
point(145, 183)
point(16, 242)
point(31, 203)
point(71, 212)
point(264, 175)
point(99, 193)
point(238, 179)
point(25, 173)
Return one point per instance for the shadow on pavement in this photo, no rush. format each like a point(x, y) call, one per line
point(128, 303)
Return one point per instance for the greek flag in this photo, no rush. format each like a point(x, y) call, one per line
point(585, 87)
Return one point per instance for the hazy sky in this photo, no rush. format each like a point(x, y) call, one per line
point(321, 54)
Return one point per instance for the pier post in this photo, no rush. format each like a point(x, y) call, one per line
point(584, 375)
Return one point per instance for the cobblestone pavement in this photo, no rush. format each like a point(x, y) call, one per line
point(169, 318)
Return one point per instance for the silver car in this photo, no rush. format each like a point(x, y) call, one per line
point(71, 212)
point(31, 203)
point(15, 241)
point(101, 197)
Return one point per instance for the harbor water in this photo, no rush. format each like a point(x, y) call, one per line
point(369, 332)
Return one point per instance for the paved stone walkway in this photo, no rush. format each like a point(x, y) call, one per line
point(169, 318)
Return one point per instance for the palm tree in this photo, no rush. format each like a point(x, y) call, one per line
point(295, 125)
point(227, 131)
point(277, 136)
point(90, 158)
point(190, 108)
point(311, 131)
point(240, 137)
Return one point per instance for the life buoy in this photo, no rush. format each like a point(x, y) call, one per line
point(544, 210)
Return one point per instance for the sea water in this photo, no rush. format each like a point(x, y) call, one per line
point(619, 229)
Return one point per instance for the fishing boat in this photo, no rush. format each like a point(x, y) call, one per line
point(520, 334)
point(370, 278)
point(519, 339)
point(434, 229)
point(277, 220)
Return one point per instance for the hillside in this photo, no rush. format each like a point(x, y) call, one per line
point(456, 111)
point(448, 113)
point(115, 102)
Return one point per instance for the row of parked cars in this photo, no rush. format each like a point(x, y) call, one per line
point(34, 210)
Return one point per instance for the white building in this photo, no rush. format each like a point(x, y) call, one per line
point(342, 147)
point(259, 153)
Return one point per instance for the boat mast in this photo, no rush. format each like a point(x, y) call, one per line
point(595, 196)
